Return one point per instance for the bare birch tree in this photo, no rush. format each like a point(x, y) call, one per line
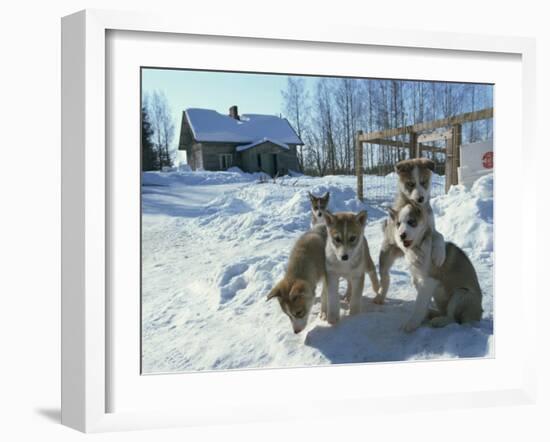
point(163, 127)
point(349, 108)
point(324, 123)
point(296, 108)
point(340, 106)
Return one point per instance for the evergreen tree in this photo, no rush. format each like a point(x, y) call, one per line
point(149, 157)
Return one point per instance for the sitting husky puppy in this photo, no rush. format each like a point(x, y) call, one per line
point(415, 180)
point(347, 256)
point(319, 204)
point(453, 285)
point(306, 266)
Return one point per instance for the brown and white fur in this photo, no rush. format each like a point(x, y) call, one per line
point(347, 256)
point(319, 204)
point(306, 267)
point(415, 179)
point(453, 285)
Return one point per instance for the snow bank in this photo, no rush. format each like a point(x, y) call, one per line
point(194, 178)
point(466, 217)
point(215, 243)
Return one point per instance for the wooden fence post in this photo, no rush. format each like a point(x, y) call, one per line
point(452, 162)
point(457, 141)
point(359, 164)
point(448, 163)
point(414, 151)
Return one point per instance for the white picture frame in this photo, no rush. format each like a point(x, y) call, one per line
point(86, 207)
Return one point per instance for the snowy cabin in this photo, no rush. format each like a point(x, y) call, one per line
point(252, 142)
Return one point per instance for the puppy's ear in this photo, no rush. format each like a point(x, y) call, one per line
point(274, 293)
point(298, 289)
point(361, 217)
point(417, 208)
point(393, 213)
point(326, 197)
point(329, 218)
point(403, 166)
point(428, 164)
point(311, 197)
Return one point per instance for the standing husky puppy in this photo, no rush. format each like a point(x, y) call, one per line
point(306, 266)
point(415, 180)
point(319, 204)
point(347, 256)
point(453, 285)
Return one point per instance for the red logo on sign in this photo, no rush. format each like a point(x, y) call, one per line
point(487, 160)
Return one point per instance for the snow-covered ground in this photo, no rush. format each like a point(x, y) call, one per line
point(214, 243)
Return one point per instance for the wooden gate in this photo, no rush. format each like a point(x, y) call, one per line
point(450, 130)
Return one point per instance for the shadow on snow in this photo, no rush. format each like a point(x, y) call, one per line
point(375, 336)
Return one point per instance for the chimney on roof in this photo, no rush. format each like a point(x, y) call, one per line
point(234, 112)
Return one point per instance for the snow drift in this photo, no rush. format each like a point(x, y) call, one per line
point(214, 243)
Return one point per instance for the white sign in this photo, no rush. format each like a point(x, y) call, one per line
point(476, 160)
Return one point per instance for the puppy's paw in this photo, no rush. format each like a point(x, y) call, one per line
point(416, 257)
point(378, 299)
point(439, 255)
point(323, 315)
point(440, 321)
point(410, 326)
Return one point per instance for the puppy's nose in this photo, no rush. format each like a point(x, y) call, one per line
point(319, 213)
point(344, 257)
point(403, 235)
point(421, 199)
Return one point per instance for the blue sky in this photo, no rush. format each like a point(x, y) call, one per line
point(252, 93)
point(217, 90)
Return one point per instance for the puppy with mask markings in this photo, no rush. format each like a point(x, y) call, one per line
point(453, 285)
point(414, 184)
point(306, 267)
point(319, 204)
point(347, 256)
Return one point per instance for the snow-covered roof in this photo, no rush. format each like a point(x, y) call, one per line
point(209, 125)
point(258, 142)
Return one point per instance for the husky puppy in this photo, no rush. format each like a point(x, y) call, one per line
point(319, 204)
point(347, 256)
point(306, 267)
point(415, 180)
point(453, 285)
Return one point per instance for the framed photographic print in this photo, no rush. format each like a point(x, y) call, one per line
point(224, 200)
point(253, 215)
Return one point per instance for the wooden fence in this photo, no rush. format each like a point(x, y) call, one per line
point(418, 135)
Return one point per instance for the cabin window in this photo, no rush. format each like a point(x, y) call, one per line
point(259, 161)
point(226, 159)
